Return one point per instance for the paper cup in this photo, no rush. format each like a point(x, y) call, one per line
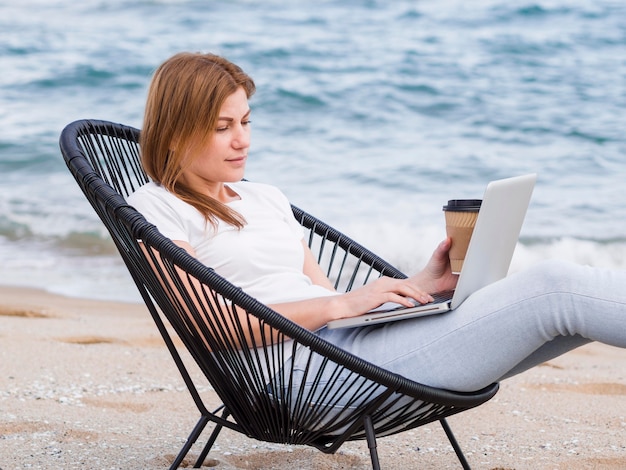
point(461, 215)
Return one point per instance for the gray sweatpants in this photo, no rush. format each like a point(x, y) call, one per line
point(506, 328)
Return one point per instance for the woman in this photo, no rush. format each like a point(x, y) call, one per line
point(195, 142)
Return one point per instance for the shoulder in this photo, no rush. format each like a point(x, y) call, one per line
point(173, 217)
point(151, 192)
point(155, 202)
point(259, 196)
point(252, 187)
point(148, 190)
point(259, 191)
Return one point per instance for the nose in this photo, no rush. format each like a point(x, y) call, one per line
point(241, 137)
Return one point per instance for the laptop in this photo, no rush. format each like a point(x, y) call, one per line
point(488, 257)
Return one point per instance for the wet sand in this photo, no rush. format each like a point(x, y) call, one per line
point(89, 384)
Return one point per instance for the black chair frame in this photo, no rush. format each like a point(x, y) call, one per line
point(203, 309)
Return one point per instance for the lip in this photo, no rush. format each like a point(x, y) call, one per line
point(237, 160)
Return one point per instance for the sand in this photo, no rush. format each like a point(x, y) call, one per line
point(89, 384)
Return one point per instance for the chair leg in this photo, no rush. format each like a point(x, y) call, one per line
point(371, 441)
point(210, 442)
point(455, 444)
point(197, 430)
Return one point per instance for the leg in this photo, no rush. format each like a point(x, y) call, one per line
point(371, 441)
point(455, 444)
point(197, 430)
point(552, 349)
point(503, 329)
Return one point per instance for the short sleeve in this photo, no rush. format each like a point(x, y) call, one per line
point(162, 210)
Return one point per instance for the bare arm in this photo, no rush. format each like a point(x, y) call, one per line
point(317, 312)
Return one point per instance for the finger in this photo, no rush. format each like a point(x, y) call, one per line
point(424, 298)
point(405, 290)
point(419, 295)
point(444, 247)
point(413, 300)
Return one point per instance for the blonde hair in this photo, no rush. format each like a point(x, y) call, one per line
point(182, 109)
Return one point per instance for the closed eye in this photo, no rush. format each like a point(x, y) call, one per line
point(245, 123)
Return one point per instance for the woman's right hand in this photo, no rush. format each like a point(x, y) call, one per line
point(315, 313)
point(378, 292)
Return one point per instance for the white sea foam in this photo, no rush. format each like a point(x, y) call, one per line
point(409, 248)
point(105, 277)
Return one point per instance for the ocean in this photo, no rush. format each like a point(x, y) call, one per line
point(370, 114)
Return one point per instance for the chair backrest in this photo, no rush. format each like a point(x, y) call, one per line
point(203, 309)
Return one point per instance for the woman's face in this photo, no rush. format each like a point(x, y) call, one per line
point(223, 159)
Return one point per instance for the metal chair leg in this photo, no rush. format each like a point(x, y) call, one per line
point(371, 441)
point(211, 441)
point(197, 430)
point(455, 444)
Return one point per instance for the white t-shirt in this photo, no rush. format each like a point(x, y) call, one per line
point(265, 258)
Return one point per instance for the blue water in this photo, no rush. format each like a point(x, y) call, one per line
point(370, 114)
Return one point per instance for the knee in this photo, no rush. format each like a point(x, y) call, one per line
point(554, 275)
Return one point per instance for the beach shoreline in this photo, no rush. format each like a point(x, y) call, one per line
point(89, 383)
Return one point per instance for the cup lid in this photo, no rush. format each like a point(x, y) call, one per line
point(463, 205)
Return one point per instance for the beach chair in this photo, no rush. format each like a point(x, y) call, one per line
point(254, 383)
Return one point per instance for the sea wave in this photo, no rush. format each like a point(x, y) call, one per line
point(368, 114)
point(87, 265)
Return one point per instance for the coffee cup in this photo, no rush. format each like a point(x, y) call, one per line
point(461, 215)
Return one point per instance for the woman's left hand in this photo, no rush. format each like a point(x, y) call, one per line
point(437, 275)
